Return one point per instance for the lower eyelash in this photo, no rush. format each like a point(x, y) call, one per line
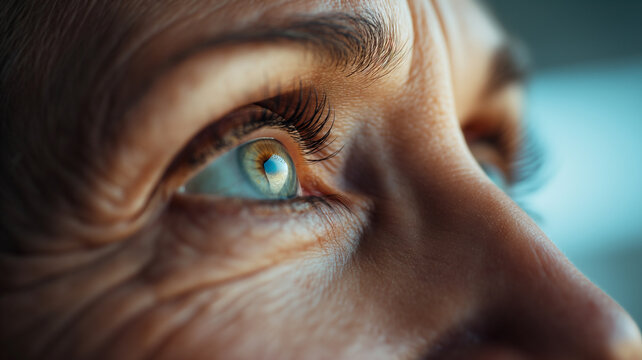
point(323, 205)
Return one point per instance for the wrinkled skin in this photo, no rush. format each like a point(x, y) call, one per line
point(426, 258)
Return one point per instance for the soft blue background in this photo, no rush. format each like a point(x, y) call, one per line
point(589, 119)
point(585, 103)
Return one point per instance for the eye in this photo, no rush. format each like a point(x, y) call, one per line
point(258, 169)
point(495, 174)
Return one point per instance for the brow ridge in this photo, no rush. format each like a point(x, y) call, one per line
point(363, 43)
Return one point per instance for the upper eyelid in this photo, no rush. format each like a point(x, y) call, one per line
point(216, 138)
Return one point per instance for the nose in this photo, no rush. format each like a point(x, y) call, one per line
point(476, 248)
point(532, 302)
point(479, 263)
point(540, 303)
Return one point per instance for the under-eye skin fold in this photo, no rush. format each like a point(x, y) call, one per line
point(259, 169)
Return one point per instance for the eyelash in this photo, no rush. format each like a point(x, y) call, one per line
point(526, 169)
point(521, 152)
point(308, 119)
point(304, 114)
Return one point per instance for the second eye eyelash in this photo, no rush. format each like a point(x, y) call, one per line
point(527, 170)
point(527, 164)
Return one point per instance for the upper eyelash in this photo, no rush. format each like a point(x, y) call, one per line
point(527, 165)
point(309, 119)
point(304, 114)
point(527, 171)
point(523, 155)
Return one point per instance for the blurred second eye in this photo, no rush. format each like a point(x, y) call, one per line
point(495, 175)
point(258, 169)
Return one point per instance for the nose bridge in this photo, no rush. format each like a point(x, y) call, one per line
point(533, 298)
point(492, 258)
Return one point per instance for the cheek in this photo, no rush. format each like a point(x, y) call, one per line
point(244, 292)
point(95, 289)
point(291, 310)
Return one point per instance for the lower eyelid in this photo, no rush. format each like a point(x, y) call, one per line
point(241, 238)
point(235, 221)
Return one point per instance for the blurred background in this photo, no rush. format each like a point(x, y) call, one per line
point(585, 106)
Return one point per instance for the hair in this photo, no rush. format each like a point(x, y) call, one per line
point(41, 45)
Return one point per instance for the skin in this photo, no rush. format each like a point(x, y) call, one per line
point(426, 258)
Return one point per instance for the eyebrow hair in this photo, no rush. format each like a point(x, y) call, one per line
point(510, 65)
point(362, 43)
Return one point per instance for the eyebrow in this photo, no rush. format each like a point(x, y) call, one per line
point(510, 65)
point(362, 43)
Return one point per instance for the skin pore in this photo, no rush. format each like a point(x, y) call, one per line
point(398, 246)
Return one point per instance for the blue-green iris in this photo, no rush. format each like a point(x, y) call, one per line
point(258, 169)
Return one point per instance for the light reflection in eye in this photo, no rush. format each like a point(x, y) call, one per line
point(258, 169)
point(276, 172)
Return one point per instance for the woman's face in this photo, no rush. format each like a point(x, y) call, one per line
point(146, 220)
